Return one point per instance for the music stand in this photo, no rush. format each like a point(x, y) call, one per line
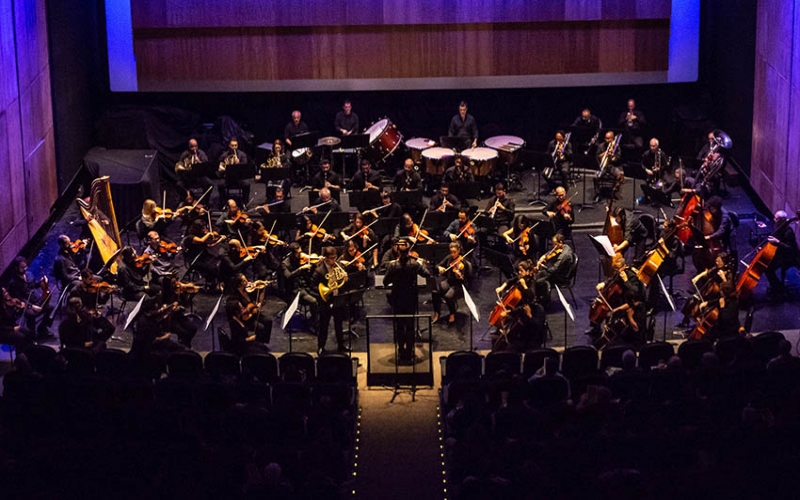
point(457, 143)
point(473, 309)
point(210, 321)
point(239, 172)
point(355, 141)
point(287, 316)
point(409, 200)
point(465, 190)
point(365, 200)
point(277, 175)
point(636, 172)
point(671, 305)
point(304, 140)
point(345, 300)
point(567, 313)
point(537, 161)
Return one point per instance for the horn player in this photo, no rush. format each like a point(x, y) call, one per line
point(329, 274)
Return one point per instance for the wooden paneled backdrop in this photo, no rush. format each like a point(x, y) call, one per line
point(206, 40)
point(27, 154)
point(775, 168)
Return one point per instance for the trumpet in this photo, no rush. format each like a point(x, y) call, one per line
point(336, 279)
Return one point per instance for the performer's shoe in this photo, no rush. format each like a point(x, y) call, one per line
point(435, 317)
point(451, 320)
point(320, 351)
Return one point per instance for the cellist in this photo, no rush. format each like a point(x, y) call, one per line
point(786, 254)
point(716, 225)
point(520, 324)
point(628, 305)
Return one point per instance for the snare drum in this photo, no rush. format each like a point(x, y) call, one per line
point(301, 156)
point(417, 145)
point(383, 140)
point(508, 146)
point(481, 160)
point(437, 160)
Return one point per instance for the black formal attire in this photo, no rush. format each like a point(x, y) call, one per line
point(279, 161)
point(586, 129)
point(611, 174)
point(635, 233)
point(358, 182)
point(331, 206)
point(455, 228)
point(455, 174)
point(327, 310)
point(466, 128)
point(65, 268)
point(346, 122)
point(298, 280)
point(657, 162)
point(561, 166)
point(292, 130)
point(318, 181)
point(133, 281)
point(705, 150)
point(230, 264)
point(786, 256)
point(406, 181)
point(393, 211)
point(24, 289)
point(634, 294)
point(21, 337)
point(448, 286)
point(401, 275)
point(91, 303)
point(243, 184)
point(361, 242)
point(437, 200)
point(76, 330)
point(503, 217)
point(559, 223)
point(162, 262)
point(633, 128)
point(149, 328)
point(239, 344)
point(187, 178)
point(260, 325)
point(198, 257)
point(554, 271)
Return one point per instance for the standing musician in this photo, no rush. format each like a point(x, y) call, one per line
point(553, 268)
point(70, 260)
point(308, 232)
point(459, 172)
point(454, 271)
point(330, 274)
point(346, 122)
point(625, 230)
point(297, 269)
point(83, 330)
point(786, 255)
point(625, 310)
point(444, 201)
point(463, 125)
point(632, 120)
point(162, 251)
point(233, 156)
point(401, 276)
point(407, 179)
point(255, 322)
point(559, 211)
point(198, 245)
point(326, 202)
point(462, 231)
point(716, 225)
point(521, 326)
point(35, 295)
point(609, 158)
point(295, 127)
point(366, 178)
point(588, 127)
point(360, 234)
point(10, 331)
point(325, 178)
point(654, 162)
point(561, 151)
point(135, 276)
point(183, 168)
point(522, 241)
point(500, 208)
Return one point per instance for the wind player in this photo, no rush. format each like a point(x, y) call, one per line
point(612, 174)
point(454, 271)
point(632, 121)
point(366, 178)
point(407, 179)
point(401, 276)
point(233, 156)
point(501, 208)
point(183, 168)
point(325, 274)
point(561, 152)
point(325, 178)
point(326, 201)
point(444, 201)
point(459, 172)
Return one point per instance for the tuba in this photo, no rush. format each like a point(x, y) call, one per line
point(336, 279)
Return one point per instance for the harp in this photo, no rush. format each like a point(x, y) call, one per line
point(102, 220)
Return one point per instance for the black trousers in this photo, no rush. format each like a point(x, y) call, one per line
point(325, 313)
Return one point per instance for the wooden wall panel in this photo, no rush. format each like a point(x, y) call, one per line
point(774, 30)
point(37, 113)
point(41, 183)
point(8, 57)
point(31, 33)
point(584, 10)
point(12, 171)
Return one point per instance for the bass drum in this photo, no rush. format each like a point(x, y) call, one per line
point(437, 160)
point(416, 146)
point(481, 160)
point(384, 138)
point(301, 156)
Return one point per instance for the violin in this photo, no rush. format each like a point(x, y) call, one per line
point(77, 245)
point(421, 233)
point(167, 247)
point(143, 260)
point(16, 303)
point(252, 286)
point(524, 240)
point(309, 259)
point(189, 288)
point(163, 213)
point(239, 218)
point(564, 209)
point(98, 286)
point(268, 238)
point(318, 232)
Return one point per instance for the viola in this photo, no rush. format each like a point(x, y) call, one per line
point(143, 260)
point(97, 286)
point(77, 245)
point(167, 247)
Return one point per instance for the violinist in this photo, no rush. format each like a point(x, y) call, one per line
point(83, 330)
point(243, 341)
point(162, 251)
point(366, 179)
point(151, 334)
point(69, 262)
point(233, 220)
point(351, 259)
point(326, 178)
point(521, 326)
point(459, 172)
point(560, 150)
point(234, 258)
point(297, 269)
point(325, 202)
point(521, 239)
point(462, 231)
point(626, 313)
point(501, 208)
point(257, 323)
point(406, 228)
point(407, 179)
point(559, 211)
point(233, 156)
point(786, 255)
point(308, 232)
point(444, 201)
point(325, 273)
point(93, 293)
point(183, 168)
point(401, 276)
point(10, 332)
point(135, 276)
point(553, 268)
point(200, 253)
point(150, 221)
point(454, 271)
point(361, 235)
point(36, 296)
point(189, 209)
point(267, 258)
point(612, 175)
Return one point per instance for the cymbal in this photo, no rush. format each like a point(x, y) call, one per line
point(329, 141)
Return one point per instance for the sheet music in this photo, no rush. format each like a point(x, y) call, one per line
point(471, 305)
point(666, 294)
point(604, 242)
point(566, 305)
point(290, 312)
point(213, 313)
point(134, 313)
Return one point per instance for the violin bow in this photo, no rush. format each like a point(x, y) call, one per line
point(419, 229)
point(528, 230)
point(459, 259)
point(311, 240)
point(202, 196)
point(468, 224)
point(360, 230)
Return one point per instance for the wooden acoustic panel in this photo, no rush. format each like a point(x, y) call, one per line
point(774, 29)
point(31, 34)
point(37, 112)
point(8, 55)
point(11, 169)
point(40, 179)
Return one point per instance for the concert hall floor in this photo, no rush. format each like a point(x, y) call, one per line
point(768, 316)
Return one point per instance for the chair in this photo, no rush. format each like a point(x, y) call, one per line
point(534, 360)
point(260, 367)
point(112, 363)
point(578, 360)
point(221, 364)
point(612, 356)
point(649, 223)
point(546, 391)
point(185, 364)
point(462, 365)
point(766, 345)
point(300, 361)
point(10, 348)
point(571, 278)
point(495, 361)
point(42, 358)
point(652, 353)
point(691, 352)
point(79, 361)
point(581, 383)
point(732, 349)
point(335, 367)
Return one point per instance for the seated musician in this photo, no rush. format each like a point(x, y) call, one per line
point(681, 184)
point(251, 302)
point(233, 220)
point(627, 320)
point(353, 261)
point(309, 233)
point(297, 269)
point(501, 208)
point(93, 293)
point(407, 179)
point(326, 178)
point(329, 273)
point(276, 159)
point(277, 204)
point(786, 255)
point(35, 294)
point(233, 259)
point(406, 228)
point(366, 178)
point(242, 340)
point(553, 268)
point(612, 176)
point(454, 271)
point(267, 259)
point(135, 276)
point(11, 332)
point(183, 168)
point(388, 208)
point(358, 232)
point(190, 210)
point(559, 211)
point(462, 231)
point(68, 263)
point(523, 326)
point(200, 253)
point(654, 162)
point(150, 219)
point(521, 240)
point(163, 254)
point(83, 330)
point(151, 334)
point(459, 172)
point(707, 285)
point(324, 203)
point(561, 152)
point(233, 156)
point(727, 323)
point(444, 201)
